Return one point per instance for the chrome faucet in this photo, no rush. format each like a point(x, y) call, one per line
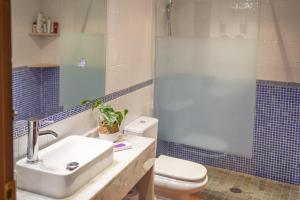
point(32, 142)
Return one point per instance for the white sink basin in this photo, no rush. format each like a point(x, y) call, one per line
point(51, 178)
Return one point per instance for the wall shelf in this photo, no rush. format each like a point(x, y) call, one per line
point(45, 34)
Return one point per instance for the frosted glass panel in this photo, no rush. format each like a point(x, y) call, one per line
point(205, 75)
point(82, 71)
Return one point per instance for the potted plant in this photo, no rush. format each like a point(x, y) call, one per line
point(110, 119)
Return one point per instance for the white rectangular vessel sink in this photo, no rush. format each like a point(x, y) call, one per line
point(65, 166)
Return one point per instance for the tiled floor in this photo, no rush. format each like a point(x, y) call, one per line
point(253, 188)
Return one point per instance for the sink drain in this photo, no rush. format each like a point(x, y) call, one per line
point(72, 165)
point(235, 190)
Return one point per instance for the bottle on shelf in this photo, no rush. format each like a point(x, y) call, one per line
point(34, 30)
point(40, 22)
point(44, 26)
point(55, 27)
point(48, 25)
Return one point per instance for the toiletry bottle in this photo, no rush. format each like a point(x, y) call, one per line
point(55, 27)
point(52, 28)
point(34, 27)
point(44, 28)
point(40, 22)
point(48, 25)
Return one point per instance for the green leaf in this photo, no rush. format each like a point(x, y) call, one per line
point(119, 117)
point(110, 116)
point(125, 111)
point(84, 101)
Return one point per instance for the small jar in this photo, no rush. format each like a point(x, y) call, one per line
point(55, 27)
point(34, 25)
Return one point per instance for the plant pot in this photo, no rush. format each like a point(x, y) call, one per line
point(109, 133)
point(113, 137)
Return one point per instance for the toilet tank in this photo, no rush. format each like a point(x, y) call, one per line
point(143, 126)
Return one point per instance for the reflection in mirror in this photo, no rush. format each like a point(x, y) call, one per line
point(82, 67)
point(59, 51)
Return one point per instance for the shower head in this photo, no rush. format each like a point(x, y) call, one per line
point(169, 9)
point(170, 4)
point(169, 16)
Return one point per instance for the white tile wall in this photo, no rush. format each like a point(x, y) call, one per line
point(130, 43)
point(203, 19)
point(139, 103)
point(130, 51)
point(26, 49)
point(279, 59)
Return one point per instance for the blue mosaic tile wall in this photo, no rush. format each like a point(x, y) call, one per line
point(50, 92)
point(20, 127)
point(35, 92)
point(276, 152)
point(26, 92)
point(203, 156)
point(276, 145)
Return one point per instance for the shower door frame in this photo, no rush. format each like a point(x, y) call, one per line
point(7, 182)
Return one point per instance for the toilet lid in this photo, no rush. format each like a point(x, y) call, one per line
point(179, 169)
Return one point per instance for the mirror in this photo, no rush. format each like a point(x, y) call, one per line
point(59, 51)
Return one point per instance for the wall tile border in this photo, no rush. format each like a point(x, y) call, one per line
point(20, 127)
point(277, 83)
point(19, 68)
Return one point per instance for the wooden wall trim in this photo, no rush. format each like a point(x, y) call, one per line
point(6, 139)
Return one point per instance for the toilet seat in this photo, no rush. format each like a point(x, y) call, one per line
point(176, 178)
point(179, 169)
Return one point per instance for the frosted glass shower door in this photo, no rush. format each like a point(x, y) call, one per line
point(206, 76)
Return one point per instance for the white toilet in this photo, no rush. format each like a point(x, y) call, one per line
point(175, 179)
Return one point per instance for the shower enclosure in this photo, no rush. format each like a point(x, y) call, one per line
point(206, 73)
point(227, 84)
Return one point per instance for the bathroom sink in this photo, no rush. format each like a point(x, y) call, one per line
point(65, 166)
